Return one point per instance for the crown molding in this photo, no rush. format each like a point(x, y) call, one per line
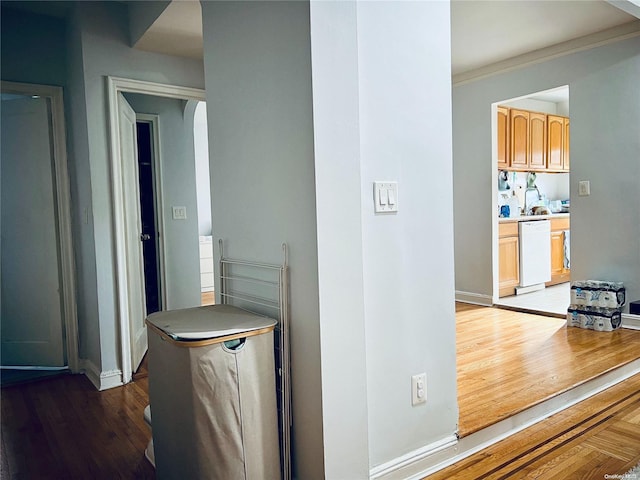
point(598, 39)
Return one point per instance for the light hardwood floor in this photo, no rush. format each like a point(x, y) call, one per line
point(596, 437)
point(64, 428)
point(509, 361)
point(208, 298)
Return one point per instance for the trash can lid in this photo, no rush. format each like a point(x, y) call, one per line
point(210, 322)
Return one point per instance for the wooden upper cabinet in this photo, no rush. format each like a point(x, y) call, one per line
point(565, 160)
point(537, 141)
point(532, 141)
point(555, 142)
point(519, 124)
point(503, 138)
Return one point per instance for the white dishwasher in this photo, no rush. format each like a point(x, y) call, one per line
point(535, 252)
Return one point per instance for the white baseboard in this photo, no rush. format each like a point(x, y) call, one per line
point(424, 462)
point(101, 380)
point(631, 321)
point(397, 468)
point(474, 298)
point(531, 288)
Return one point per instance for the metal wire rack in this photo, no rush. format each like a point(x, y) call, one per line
point(263, 288)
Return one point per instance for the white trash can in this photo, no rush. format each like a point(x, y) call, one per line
point(213, 395)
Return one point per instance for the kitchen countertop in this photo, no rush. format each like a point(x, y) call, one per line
point(527, 218)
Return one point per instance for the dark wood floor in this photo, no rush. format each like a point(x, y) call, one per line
point(62, 428)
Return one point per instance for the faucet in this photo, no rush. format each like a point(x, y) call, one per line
point(526, 203)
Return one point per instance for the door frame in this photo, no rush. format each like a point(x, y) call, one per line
point(115, 86)
point(63, 207)
point(154, 121)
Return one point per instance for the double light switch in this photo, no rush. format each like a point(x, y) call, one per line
point(385, 197)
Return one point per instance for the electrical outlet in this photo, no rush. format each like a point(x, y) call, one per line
point(418, 389)
point(584, 188)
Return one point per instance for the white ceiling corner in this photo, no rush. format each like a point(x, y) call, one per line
point(177, 31)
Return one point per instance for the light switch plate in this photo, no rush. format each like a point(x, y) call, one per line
point(179, 213)
point(385, 197)
point(584, 188)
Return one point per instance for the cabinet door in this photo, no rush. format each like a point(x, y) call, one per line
point(519, 138)
point(509, 261)
point(555, 142)
point(503, 138)
point(557, 253)
point(537, 141)
point(565, 160)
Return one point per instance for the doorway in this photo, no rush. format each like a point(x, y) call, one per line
point(531, 154)
point(176, 216)
point(148, 207)
point(37, 300)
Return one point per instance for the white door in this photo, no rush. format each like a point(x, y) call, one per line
point(30, 298)
point(133, 245)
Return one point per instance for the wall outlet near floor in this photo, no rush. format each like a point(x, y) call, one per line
point(418, 389)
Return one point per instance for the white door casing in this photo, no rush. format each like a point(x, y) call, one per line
point(43, 267)
point(115, 86)
point(137, 311)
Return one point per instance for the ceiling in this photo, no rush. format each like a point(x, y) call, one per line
point(483, 32)
point(487, 32)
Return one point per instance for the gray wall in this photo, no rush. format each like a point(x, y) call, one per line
point(258, 78)
point(605, 147)
point(102, 30)
point(182, 263)
point(78, 53)
point(25, 57)
point(46, 50)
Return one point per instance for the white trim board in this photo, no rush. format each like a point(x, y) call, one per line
point(474, 298)
point(115, 86)
point(390, 469)
point(101, 380)
point(631, 321)
point(63, 201)
point(437, 459)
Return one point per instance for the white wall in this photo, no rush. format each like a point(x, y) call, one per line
point(203, 188)
point(181, 255)
point(604, 149)
point(334, 50)
point(258, 79)
point(405, 135)
point(554, 185)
